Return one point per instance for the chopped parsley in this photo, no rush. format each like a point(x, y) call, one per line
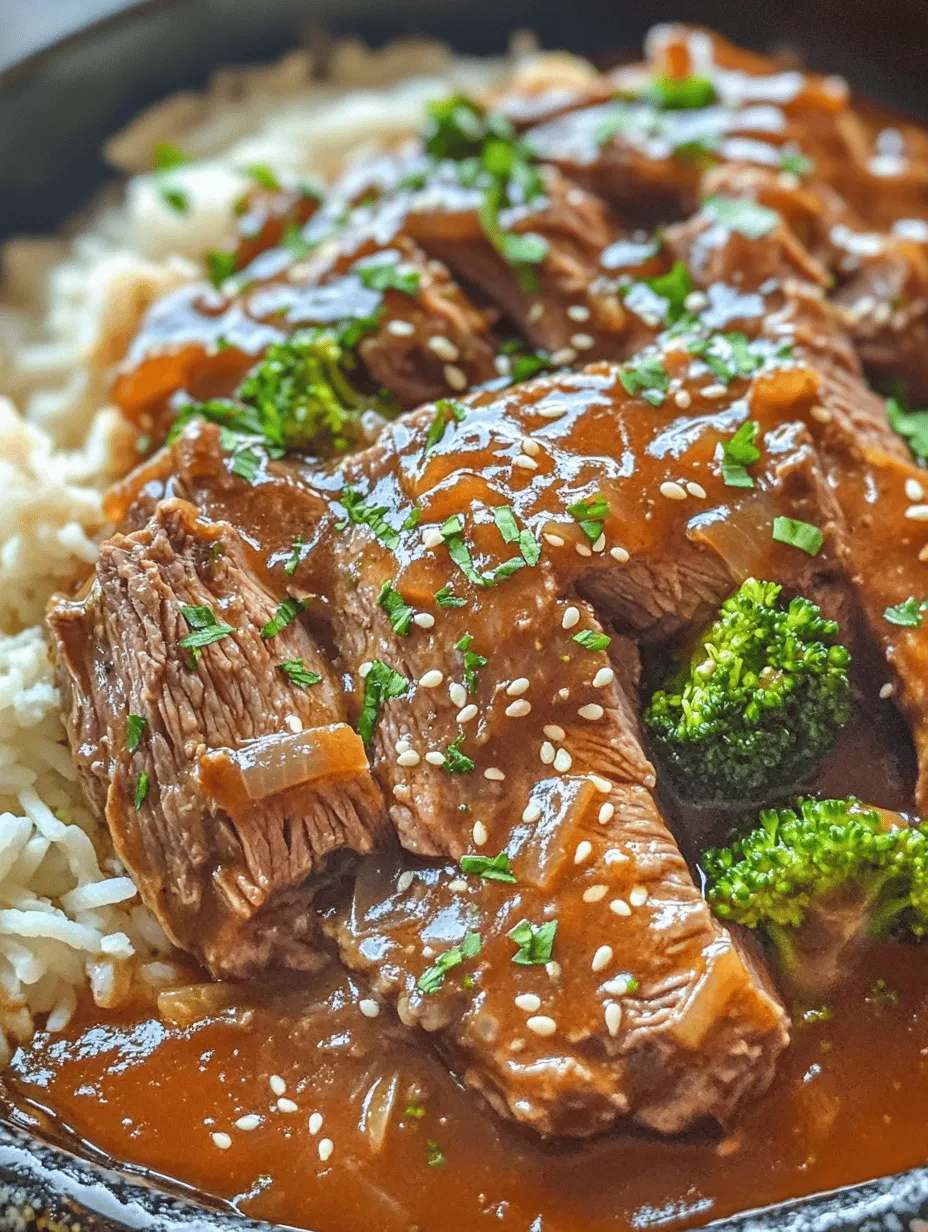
point(246, 462)
point(386, 275)
point(490, 868)
point(136, 726)
point(673, 287)
point(738, 454)
point(646, 376)
point(912, 425)
point(174, 197)
point(729, 355)
point(166, 155)
point(445, 411)
point(798, 534)
point(398, 611)
point(436, 1156)
point(535, 942)
point(590, 514)
point(262, 175)
point(455, 761)
point(523, 363)
point(908, 614)
point(680, 93)
point(472, 662)
point(432, 979)
point(372, 516)
point(141, 789)
point(416, 1111)
point(749, 218)
point(589, 639)
point(206, 629)
point(451, 531)
point(299, 675)
point(447, 598)
point(381, 684)
point(219, 266)
point(286, 614)
point(296, 243)
point(509, 528)
point(794, 161)
point(295, 556)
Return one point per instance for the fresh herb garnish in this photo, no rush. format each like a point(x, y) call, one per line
point(913, 425)
point(398, 611)
point(472, 662)
point(451, 531)
point(299, 675)
point(797, 163)
point(798, 534)
point(136, 726)
point(295, 556)
point(447, 598)
point(372, 516)
point(436, 1156)
point(385, 275)
point(739, 214)
point(455, 761)
point(381, 684)
point(416, 1111)
point(432, 979)
point(296, 243)
point(680, 93)
point(646, 376)
point(738, 454)
point(177, 198)
point(524, 364)
point(673, 287)
point(219, 266)
point(729, 355)
point(490, 868)
point(589, 639)
point(206, 629)
point(509, 528)
point(141, 789)
point(908, 614)
point(166, 155)
point(286, 614)
point(590, 514)
point(246, 462)
point(262, 175)
point(445, 411)
point(535, 942)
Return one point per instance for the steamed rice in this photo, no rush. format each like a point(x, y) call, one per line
point(69, 917)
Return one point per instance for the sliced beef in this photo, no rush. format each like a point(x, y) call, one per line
point(244, 789)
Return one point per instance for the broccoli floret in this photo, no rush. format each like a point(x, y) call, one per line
point(759, 704)
point(815, 877)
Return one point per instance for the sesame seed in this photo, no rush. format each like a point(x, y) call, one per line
point(536, 312)
point(917, 513)
point(517, 687)
point(431, 537)
point(673, 491)
point(714, 391)
point(594, 893)
point(566, 355)
point(547, 753)
point(550, 412)
point(583, 852)
point(886, 690)
point(562, 761)
point(286, 1105)
point(617, 987)
point(364, 669)
point(455, 377)
point(404, 881)
point(479, 833)
point(494, 773)
point(923, 554)
point(583, 550)
point(459, 885)
point(315, 1122)
point(444, 348)
point(570, 618)
point(434, 758)
point(603, 677)
point(518, 709)
point(400, 329)
point(223, 1141)
point(613, 1017)
point(601, 784)
point(606, 813)
point(578, 312)
point(563, 694)
point(582, 342)
point(821, 414)
point(525, 462)
point(696, 489)
point(619, 554)
point(532, 448)
point(425, 620)
point(532, 811)
point(914, 490)
point(553, 732)
point(555, 540)
point(502, 365)
point(467, 713)
point(553, 970)
point(591, 712)
point(682, 398)
point(620, 907)
point(277, 1084)
point(369, 1007)
point(529, 1002)
point(457, 693)
point(326, 1147)
point(541, 1024)
point(432, 679)
point(638, 896)
point(409, 757)
point(401, 791)
point(602, 958)
point(248, 1122)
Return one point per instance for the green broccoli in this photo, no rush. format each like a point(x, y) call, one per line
point(759, 704)
point(815, 877)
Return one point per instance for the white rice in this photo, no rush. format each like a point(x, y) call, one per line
point(70, 919)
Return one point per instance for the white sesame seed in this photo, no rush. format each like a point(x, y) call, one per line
point(570, 618)
point(519, 708)
point(457, 693)
point(502, 365)
point(603, 677)
point(431, 537)
point(601, 784)
point(250, 1121)
point(369, 1007)
point(459, 885)
point(444, 348)
point(455, 377)
point(434, 758)
point(620, 907)
point(550, 412)
point(553, 970)
point(619, 554)
point(618, 987)
point(583, 550)
point(479, 833)
point(547, 753)
point(517, 687)
point(600, 544)
point(606, 813)
point(408, 758)
point(528, 1001)
point(673, 491)
point(432, 679)
point(286, 1105)
point(532, 811)
point(566, 355)
point(638, 896)
point(821, 413)
point(525, 462)
point(714, 391)
point(494, 773)
point(326, 1147)
point(917, 513)
point(364, 669)
point(425, 620)
point(541, 1024)
point(696, 301)
point(400, 329)
point(923, 553)
point(613, 1016)
point(315, 1122)
point(562, 761)
point(683, 399)
point(401, 791)
point(886, 690)
point(532, 448)
point(578, 312)
point(466, 713)
point(553, 732)
point(582, 342)
point(914, 490)
point(602, 958)
point(594, 893)
point(583, 852)
point(277, 1084)
point(536, 312)
point(404, 881)
point(696, 489)
point(555, 540)
point(591, 712)
point(223, 1141)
